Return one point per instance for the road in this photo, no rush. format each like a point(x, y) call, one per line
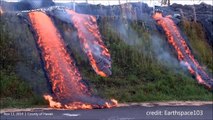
point(123, 112)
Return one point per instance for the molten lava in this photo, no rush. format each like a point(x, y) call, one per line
point(91, 42)
point(69, 91)
point(1, 11)
point(183, 52)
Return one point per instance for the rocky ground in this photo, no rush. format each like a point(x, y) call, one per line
point(201, 13)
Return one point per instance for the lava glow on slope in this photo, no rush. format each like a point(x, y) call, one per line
point(183, 52)
point(1, 10)
point(91, 42)
point(67, 85)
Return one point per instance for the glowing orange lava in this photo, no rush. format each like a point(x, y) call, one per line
point(69, 91)
point(183, 52)
point(1, 10)
point(92, 43)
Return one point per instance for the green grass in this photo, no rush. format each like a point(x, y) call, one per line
point(199, 45)
point(136, 75)
point(159, 90)
point(16, 92)
point(9, 102)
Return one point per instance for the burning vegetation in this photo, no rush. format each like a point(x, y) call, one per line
point(91, 42)
point(183, 52)
point(64, 77)
point(138, 72)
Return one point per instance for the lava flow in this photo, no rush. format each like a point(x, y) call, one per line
point(1, 11)
point(91, 42)
point(184, 54)
point(67, 85)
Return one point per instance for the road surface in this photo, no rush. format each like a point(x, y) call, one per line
point(123, 112)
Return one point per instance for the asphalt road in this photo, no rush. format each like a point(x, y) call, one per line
point(132, 112)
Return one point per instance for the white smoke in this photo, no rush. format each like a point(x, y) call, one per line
point(163, 55)
point(125, 32)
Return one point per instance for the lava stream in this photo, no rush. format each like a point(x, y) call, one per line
point(183, 51)
point(1, 10)
point(91, 42)
point(67, 86)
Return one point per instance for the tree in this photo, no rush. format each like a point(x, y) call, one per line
point(165, 2)
point(168, 2)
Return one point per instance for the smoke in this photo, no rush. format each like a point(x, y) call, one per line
point(85, 26)
point(64, 16)
point(154, 45)
point(122, 28)
point(67, 83)
point(61, 15)
point(183, 52)
point(160, 48)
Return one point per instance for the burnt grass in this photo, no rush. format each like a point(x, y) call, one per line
point(137, 73)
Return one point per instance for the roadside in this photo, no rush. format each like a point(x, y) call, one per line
point(144, 104)
point(173, 110)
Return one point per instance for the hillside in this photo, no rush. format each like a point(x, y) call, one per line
point(144, 65)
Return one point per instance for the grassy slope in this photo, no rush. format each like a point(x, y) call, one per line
point(136, 76)
point(200, 47)
point(15, 92)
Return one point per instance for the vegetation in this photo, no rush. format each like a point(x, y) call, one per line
point(136, 74)
point(199, 45)
point(15, 92)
